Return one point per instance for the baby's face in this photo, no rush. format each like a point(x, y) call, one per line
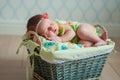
point(48, 28)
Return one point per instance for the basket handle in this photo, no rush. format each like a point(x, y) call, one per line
point(104, 35)
point(34, 36)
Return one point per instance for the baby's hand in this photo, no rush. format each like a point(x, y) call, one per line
point(55, 38)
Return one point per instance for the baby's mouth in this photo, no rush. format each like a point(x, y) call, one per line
point(55, 30)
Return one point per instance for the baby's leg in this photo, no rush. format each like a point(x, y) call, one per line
point(86, 32)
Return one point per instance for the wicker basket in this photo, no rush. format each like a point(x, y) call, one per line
point(83, 69)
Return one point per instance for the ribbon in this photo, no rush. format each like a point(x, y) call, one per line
point(27, 65)
point(32, 54)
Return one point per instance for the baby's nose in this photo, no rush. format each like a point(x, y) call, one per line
point(52, 29)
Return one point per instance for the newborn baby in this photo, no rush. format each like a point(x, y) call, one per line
point(52, 30)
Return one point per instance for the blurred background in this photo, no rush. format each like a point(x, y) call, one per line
point(15, 13)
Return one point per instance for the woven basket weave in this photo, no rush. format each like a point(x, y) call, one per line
point(83, 69)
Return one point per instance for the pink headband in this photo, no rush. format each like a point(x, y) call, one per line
point(44, 16)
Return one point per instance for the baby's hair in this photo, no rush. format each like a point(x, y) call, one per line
point(32, 22)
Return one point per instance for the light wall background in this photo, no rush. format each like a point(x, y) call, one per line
point(15, 13)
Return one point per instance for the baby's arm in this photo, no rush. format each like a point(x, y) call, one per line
point(69, 34)
point(55, 38)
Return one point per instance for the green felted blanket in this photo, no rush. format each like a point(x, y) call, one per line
point(57, 52)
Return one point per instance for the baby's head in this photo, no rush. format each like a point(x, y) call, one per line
point(42, 25)
point(32, 22)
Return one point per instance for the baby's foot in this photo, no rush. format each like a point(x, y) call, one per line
point(100, 43)
point(104, 36)
point(85, 43)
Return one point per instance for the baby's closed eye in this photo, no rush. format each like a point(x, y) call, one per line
point(49, 28)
